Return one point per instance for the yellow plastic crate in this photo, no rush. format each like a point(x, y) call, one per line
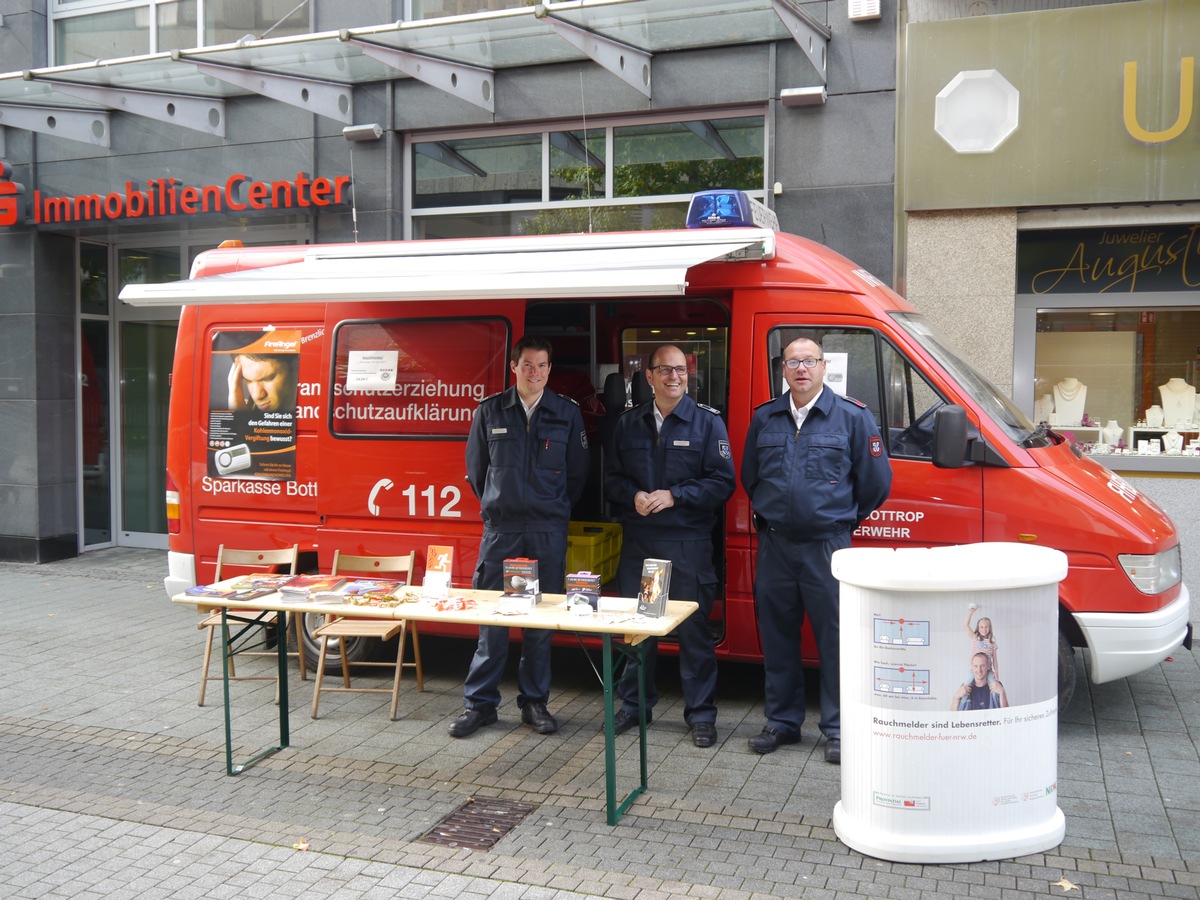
point(594, 547)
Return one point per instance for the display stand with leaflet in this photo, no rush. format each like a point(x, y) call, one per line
point(656, 585)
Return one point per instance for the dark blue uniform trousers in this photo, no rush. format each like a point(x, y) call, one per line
point(794, 578)
point(482, 687)
point(692, 578)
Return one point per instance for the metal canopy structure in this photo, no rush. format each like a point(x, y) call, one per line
point(458, 55)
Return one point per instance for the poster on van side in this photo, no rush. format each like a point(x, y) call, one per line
point(252, 404)
point(421, 378)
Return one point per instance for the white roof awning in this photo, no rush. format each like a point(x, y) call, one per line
point(595, 265)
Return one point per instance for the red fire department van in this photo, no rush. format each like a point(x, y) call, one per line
point(322, 395)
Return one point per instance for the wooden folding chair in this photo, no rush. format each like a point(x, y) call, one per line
point(384, 629)
point(255, 561)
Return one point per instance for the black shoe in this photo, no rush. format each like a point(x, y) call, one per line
point(469, 721)
point(538, 718)
point(704, 734)
point(769, 740)
point(833, 751)
point(623, 720)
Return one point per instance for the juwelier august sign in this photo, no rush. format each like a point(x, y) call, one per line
point(168, 197)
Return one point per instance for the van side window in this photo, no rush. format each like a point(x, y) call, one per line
point(862, 365)
point(415, 378)
point(851, 362)
point(911, 403)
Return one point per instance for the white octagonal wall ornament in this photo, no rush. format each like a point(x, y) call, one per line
point(976, 111)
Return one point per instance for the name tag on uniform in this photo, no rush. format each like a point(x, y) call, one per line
point(499, 431)
point(681, 443)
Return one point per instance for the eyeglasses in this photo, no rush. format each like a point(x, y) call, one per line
point(808, 363)
point(664, 371)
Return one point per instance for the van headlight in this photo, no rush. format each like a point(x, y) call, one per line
point(1155, 573)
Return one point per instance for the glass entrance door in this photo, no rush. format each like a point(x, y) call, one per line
point(147, 349)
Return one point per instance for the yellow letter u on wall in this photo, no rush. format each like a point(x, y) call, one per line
point(1186, 89)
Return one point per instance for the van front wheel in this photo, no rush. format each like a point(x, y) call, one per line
point(1066, 672)
point(358, 649)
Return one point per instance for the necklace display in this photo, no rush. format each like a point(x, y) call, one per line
point(1178, 401)
point(1069, 389)
point(1070, 397)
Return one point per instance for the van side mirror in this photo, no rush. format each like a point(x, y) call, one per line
point(950, 437)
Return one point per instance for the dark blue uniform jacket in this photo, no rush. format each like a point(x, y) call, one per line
point(822, 480)
point(527, 475)
point(691, 457)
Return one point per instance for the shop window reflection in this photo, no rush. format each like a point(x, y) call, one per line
point(1120, 381)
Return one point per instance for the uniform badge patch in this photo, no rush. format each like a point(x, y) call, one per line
point(583, 440)
point(723, 449)
point(876, 446)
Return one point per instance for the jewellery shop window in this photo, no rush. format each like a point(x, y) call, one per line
point(1120, 381)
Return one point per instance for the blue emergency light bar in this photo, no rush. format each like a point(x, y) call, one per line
point(727, 209)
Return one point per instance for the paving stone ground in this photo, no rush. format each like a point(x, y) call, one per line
point(112, 780)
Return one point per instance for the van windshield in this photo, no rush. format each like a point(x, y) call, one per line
point(988, 397)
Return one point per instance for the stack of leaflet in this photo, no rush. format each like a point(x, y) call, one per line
point(302, 587)
point(247, 588)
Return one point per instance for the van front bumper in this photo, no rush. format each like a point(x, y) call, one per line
point(181, 572)
point(1122, 644)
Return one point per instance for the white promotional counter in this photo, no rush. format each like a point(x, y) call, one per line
point(949, 702)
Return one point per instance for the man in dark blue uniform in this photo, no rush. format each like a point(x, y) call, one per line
point(527, 462)
point(814, 468)
point(669, 473)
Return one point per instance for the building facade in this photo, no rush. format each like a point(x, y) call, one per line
point(1049, 219)
point(1025, 172)
point(137, 133)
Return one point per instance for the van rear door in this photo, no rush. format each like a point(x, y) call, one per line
point(252, 470)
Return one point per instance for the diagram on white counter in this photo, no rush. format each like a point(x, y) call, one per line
point(902, 632)
point(902, 680)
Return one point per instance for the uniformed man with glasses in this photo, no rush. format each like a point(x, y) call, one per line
point(668, 473)
point(814, 467)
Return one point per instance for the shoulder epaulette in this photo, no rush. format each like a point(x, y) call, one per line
point(764, 403)
point(491, 396)
point(713, 410)
point(856, 402)
point(561, 396)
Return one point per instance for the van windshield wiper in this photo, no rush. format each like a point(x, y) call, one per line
point(1039, 437)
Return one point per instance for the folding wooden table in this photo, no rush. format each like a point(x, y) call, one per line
point(551, 614)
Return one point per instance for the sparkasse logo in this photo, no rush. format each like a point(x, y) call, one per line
point(12, 198)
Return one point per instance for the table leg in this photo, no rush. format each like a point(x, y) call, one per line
point(281, 655)
point(640, 650)
point(610, 750)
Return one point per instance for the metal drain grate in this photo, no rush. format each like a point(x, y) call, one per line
point(479, 823)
